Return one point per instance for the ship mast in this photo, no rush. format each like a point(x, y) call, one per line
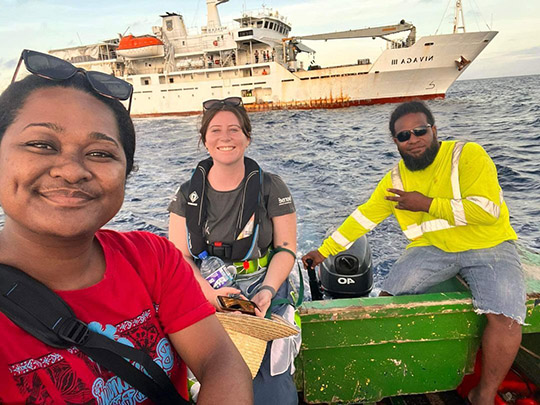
point(457, 14)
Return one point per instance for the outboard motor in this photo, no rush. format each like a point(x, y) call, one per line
point(348, 274)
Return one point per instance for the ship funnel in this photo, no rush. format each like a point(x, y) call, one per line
point(212, 13)
point(173, 25)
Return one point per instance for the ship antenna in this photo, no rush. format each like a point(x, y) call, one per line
point(479, 13)
point(196, 14)
point(444, 15)
point(129, 26)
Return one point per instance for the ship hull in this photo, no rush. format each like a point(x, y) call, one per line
point(423, 71)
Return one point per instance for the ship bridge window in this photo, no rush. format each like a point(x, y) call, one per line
point(245, 33)
point(428, 44)
point(145, 81)
point(266, 24)
point(259, 24)
point(271, 26)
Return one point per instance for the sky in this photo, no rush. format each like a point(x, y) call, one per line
point(49, 24)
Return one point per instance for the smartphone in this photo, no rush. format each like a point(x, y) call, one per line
point(237, 304)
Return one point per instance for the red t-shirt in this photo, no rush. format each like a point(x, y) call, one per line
point(147, 292)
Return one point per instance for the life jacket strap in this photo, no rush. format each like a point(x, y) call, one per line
point(220, 249)
point(251, 266)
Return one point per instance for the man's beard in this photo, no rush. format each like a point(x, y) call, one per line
point(420, 163)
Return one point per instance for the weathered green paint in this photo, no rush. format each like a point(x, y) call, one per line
point(531, 268)
point(528, 358)
point(365, 349)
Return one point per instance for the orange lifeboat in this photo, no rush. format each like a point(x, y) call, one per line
point(139, 47)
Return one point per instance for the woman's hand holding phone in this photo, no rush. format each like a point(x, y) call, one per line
point(224, 291)
point(263, 299)
point(237, 304)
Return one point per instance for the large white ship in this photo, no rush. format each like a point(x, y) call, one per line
point(173, 72)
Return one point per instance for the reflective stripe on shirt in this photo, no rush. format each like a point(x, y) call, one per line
point(396, 178)
point(415, 231)
point(363, 220)
point(341, 240)
point(457, 203)
point(487, 205)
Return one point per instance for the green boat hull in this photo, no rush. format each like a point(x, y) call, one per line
point(364, 349)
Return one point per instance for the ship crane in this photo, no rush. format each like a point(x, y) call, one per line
point(292, 45)
point(375, 32)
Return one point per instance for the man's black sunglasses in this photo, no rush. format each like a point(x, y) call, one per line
point(213, 103)
point(53, 68)
point(404, 136)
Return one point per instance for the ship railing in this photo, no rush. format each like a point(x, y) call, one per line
point(265, 12)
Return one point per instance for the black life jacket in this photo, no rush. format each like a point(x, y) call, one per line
point(196, 212)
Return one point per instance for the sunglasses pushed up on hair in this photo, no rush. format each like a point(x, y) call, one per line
point(214, 103)
point(53, 68)
point(404, 136)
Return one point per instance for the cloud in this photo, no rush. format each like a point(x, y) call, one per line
point(513, 63)
point(8, 64)
point(533, 52)
point(17, 2)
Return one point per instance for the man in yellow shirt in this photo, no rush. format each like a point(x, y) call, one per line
point(447, 200)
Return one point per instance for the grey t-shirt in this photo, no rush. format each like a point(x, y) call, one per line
point(223, 209)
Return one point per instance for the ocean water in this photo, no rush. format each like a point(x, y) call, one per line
point(332, 160)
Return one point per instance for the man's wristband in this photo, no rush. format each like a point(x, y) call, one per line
point(269, 288)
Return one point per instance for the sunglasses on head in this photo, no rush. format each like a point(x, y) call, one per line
point(404, 136)
point(53, 68)
point(213, 103)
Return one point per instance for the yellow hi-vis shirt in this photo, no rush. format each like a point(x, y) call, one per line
point(467, 212)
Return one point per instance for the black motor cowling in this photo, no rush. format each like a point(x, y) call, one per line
point(348, 274)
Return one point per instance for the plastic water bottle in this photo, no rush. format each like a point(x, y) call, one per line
point(214, 270)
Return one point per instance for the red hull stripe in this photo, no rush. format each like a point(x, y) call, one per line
point(307, 105)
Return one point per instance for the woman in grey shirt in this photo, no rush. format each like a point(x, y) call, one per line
point(207, 211)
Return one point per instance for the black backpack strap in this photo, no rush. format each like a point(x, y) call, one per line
point(112, 355)
point(39, 311)
point(196, 213)
point(242, 249)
